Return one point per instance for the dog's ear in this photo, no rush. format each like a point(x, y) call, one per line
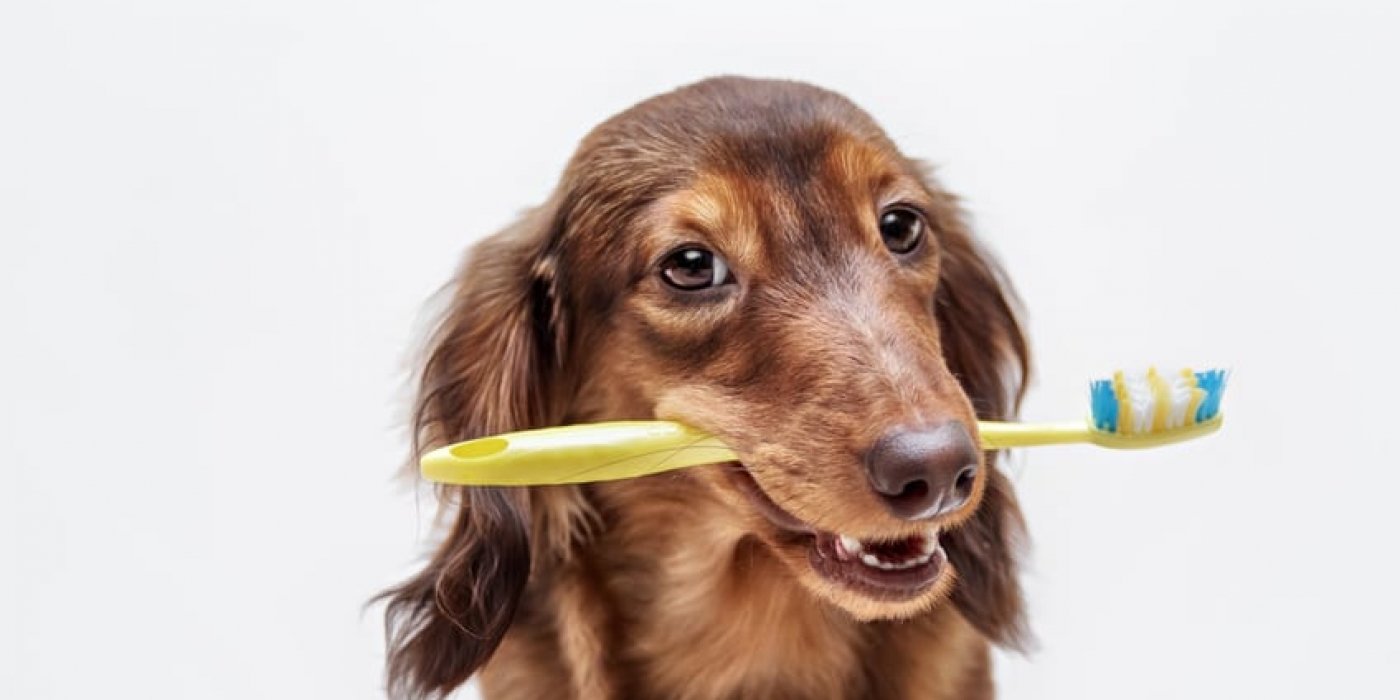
point(492, 366)
point(986, 350)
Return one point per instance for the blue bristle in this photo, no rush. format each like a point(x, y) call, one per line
point(1104, 405)
point(1213, 383)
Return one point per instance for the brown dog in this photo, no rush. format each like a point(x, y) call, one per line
point(756, 259)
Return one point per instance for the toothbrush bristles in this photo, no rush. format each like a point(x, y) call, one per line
point(1138, 403)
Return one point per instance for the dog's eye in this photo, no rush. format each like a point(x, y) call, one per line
point(902, 229)
point(691, 269)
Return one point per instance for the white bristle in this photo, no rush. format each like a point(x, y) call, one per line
point(1142, 400)
point(1139, 401)
point(1181, 399)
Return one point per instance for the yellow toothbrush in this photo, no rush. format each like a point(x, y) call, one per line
point(1147, 409)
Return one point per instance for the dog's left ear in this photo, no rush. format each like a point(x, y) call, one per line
point(495, 365)
point(986, 350)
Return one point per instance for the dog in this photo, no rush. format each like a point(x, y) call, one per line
point(756, 259)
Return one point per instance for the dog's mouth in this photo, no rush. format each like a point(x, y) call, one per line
point(883, 569)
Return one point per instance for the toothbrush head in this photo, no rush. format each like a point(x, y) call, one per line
point(1146, 409)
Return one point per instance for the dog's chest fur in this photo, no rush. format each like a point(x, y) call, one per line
point(671, 601)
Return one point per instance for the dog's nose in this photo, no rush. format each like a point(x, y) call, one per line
point(923, 473)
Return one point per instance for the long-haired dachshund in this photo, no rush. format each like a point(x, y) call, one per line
point(756, 259)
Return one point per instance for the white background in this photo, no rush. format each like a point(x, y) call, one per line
point(220, 222)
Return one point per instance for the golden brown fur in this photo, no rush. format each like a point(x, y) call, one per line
point(677, 585)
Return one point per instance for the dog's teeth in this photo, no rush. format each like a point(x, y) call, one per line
point(930, 542)
point(849, 548)
point(843, 551)
point(915, 561)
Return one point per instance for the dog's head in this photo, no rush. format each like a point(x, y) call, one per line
point(756, 259)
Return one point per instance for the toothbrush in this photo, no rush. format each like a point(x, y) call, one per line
point(1129, 410)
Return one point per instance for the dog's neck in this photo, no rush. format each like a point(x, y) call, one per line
point(697, 608)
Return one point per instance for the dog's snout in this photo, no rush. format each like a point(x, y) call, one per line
point(925, 472)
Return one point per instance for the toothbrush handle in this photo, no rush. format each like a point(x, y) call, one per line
point(999, 435)
point(625, 449)
point(574, 454)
